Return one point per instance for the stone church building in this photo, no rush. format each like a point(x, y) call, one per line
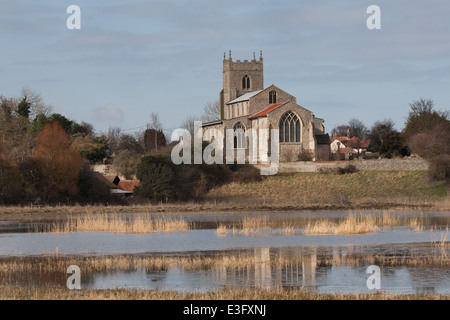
point(245, 103)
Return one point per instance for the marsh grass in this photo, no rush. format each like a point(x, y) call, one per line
point(438, 257)
point(417, 226)
point(118, 223)
point(388, 219)
point(253, 225)
point(352, 224)
point(442, 243)
point(15, 293)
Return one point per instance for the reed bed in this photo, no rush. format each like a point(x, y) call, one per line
point(350, 225)
point(388, 219)
point(118, 223)
point(251, 226)
point(438, 257)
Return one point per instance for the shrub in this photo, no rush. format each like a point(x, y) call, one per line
point(246, 173)
point(11, 187)
point(162, 180)
point(434, 146)
point(305, 156)
point(439, 169)
point(347, 169)
point(91, 189)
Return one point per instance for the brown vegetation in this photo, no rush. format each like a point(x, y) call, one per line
point(350, 225)
point(59, 163)
point(14, 293)
point(116, 223)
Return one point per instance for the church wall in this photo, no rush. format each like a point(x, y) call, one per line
point(237, 109)
point(291, 151)
point(318, 125)
point(261, 100)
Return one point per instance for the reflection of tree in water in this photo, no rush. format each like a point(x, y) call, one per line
point(428, 280)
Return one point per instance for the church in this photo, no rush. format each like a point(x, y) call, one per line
point(246, 104)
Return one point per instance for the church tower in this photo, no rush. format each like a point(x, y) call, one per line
point(239, 78)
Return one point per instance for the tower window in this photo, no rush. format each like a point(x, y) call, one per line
point(272, 97)
point(246, 82)
point(289, 127)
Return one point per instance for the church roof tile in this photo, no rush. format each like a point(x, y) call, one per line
point(264, 112)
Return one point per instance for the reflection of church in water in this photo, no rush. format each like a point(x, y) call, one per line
point(267, 272)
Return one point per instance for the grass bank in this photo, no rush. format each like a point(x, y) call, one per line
point(364, 190)
point(364, 187)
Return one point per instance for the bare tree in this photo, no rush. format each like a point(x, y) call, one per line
point(155, 124)
point(113, 138)
point(340, 130)
point(211, 111)
point(188, 124)
point(423, 117)
point(357, 129)
point(37, 105)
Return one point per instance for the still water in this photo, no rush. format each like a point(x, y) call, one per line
point(306, 270)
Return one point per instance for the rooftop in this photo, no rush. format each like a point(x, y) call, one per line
point(264, 112)
point(244, 97)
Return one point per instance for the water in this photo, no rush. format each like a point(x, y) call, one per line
point(304, 271)
point(104, 243)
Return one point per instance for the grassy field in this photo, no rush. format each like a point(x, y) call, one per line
point(407, 187)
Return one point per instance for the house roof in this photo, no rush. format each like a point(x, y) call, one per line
point(352, 142)
point(104, 180)
point(244, 97)
point(212, 123)
point(264, 112)
point(128, 185)
point(357, 143)
point(113, 179)
point(339, 138)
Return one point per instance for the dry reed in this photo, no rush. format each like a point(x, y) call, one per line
point(117, 223)
point(350, 225)
point(251, 226)
point(15, 293)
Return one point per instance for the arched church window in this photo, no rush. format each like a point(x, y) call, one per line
point(289, 127)
point(246, 82)
point(239, 136)
point(272, 97)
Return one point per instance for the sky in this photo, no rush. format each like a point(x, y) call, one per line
point(133, 58)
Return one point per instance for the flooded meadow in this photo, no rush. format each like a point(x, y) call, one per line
point(213, 251)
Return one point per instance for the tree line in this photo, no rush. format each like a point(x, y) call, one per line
point(426, 133)
point(46, 157)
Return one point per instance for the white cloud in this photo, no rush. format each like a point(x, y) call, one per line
point(109, 114)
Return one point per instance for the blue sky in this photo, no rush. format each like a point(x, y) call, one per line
point(132, 58)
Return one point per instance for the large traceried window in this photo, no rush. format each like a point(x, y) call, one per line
point(239, 136)
point(246, 82)
point(290, 127)
point(272, 97)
